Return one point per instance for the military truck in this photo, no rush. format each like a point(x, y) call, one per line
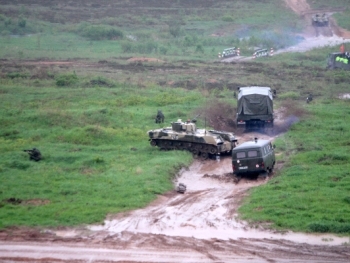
point(254, 107)
point(253, 157)
point(185, 136)
point(338, 60)
point(320, 20)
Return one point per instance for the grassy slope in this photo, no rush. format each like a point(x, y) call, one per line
point(58, 36)
point(97, 158)
point(342, 18)
point(311, 192)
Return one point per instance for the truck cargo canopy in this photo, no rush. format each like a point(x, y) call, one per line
point(255, 101)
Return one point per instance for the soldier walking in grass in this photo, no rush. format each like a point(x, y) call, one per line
point(309, 98)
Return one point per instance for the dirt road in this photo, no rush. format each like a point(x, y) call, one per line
point(198, 226)
point(314, 37)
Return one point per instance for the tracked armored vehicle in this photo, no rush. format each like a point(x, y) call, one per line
point(185, 136)
point(320, 20)
point(230, 52)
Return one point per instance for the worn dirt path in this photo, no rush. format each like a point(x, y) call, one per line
point(314, 37)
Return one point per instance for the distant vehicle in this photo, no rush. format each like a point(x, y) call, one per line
point(320, 20)
point(230, 52)
point(254, 107)
point(261, 53)
point(253, 157)
point(185, 136)
point(339, 60)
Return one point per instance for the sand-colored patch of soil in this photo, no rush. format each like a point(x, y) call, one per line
point(143, 59)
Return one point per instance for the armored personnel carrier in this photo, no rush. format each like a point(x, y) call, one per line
point(320, 20)
point(185, 136)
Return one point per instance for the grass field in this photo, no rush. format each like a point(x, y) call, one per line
point(97, 158)
point(311, 192)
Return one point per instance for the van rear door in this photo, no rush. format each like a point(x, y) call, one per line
point(246, 161)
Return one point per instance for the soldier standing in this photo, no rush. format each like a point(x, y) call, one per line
point(159, 117)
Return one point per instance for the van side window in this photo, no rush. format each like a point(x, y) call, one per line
point(252, 153)
point(240, 155)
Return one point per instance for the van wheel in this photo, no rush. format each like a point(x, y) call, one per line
point(269, 172)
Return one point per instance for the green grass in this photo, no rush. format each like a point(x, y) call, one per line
point(343, 19)
point(311, 192)
point(268, 24)
point(97, 158)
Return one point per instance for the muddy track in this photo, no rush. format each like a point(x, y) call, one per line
point(200, 225)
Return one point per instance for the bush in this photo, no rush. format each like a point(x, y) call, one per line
point(347, 199)
point(319, 227)
point(14, 75)
point(100, 32)
point(22, 22)
point(199, 48)
point(101, 81)
point(289, 95)
point(18, 165)
point(147, 47)
point(227, 18)
point(66, 79)
point(126, 46)
point(175, 29)
point(163, 50)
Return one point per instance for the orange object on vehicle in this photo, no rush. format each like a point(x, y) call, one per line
point(342, 48)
